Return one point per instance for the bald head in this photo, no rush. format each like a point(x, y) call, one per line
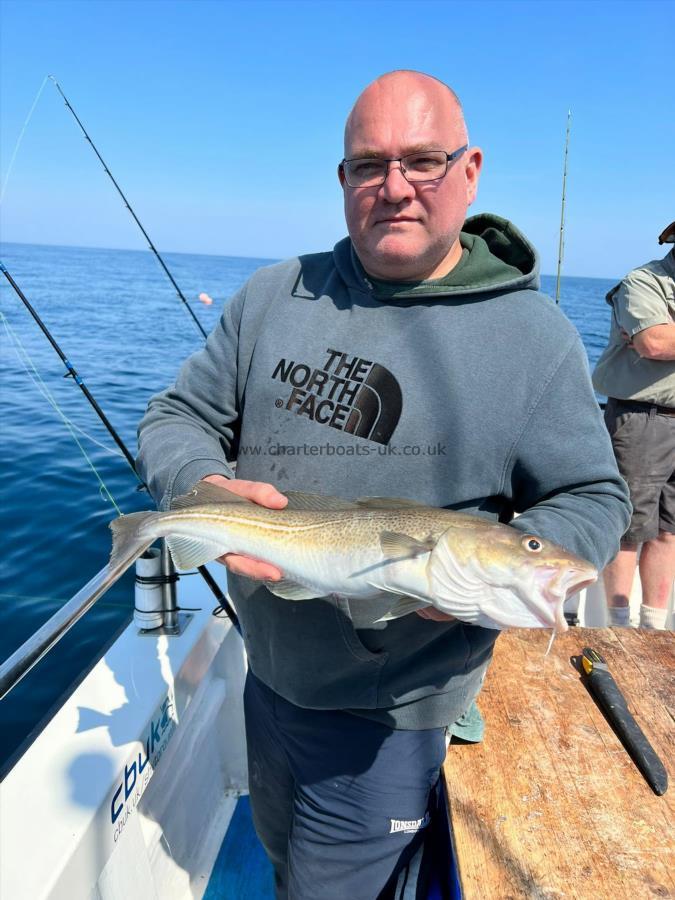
point(407, 228)
point(421, 93)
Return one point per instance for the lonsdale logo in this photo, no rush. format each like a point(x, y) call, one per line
point(349, 393)
point(409, 826)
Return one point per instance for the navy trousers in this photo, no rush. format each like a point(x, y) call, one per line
point(342, 805)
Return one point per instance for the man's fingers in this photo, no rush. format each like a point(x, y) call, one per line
point(435, 614)
point(252, 568)
point(259, 492)
point(262, 493)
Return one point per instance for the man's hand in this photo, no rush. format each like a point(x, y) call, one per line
point(431, 612)
point(264, 495)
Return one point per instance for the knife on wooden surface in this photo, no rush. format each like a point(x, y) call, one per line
point(601, 684)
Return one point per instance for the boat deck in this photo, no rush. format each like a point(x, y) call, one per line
point(241, 869)
point(550, 805)
point(243, 872)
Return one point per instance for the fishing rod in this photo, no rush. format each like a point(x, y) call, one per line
point(72, 371)
point(561, 240)
point(223, 602)
point(129, 207)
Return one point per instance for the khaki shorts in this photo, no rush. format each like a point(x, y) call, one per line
point(644, 445)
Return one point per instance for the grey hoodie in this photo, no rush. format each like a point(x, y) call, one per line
point(470, 392)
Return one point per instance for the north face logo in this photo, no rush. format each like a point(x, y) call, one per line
point(349, 393)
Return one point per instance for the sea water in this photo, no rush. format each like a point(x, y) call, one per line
point(122, 326)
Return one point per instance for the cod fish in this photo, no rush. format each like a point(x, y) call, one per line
point(481, 572)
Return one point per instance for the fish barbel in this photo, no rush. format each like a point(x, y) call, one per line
point(481, 572)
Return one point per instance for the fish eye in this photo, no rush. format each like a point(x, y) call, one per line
point(532, 544)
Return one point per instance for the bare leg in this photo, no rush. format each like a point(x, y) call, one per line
point(618, 576)
point(657, 570)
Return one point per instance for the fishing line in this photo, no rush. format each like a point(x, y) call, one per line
point(550, 643)
point(152, 247)
point(20, 138)
point(37, 598)
point(213, 585)
point(223, 603)
point(37, 380)
point(72, 371)
point(27, 361)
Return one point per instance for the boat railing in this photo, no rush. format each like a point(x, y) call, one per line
point(13, 669)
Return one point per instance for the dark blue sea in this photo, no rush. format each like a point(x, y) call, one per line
point(120, 323)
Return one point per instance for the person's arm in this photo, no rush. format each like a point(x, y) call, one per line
point(190, 430)
point(641, 309)
point(562, 474)
point(655, 342)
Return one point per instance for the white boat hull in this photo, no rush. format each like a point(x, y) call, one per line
point(128, 790)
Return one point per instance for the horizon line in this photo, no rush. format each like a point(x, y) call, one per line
point(268, 259)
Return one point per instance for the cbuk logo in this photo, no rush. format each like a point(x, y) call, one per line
point(348, 393)
point(134, 780)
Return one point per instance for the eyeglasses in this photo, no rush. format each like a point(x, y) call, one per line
point(425, 165)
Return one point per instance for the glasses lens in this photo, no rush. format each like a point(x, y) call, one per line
point(425, 166)
point(364, 172)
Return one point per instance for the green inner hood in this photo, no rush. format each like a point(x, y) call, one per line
point(495, 256)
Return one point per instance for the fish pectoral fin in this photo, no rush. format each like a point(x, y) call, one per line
point(204, 493)
point(402, 546)
point(388, 503)
point(290, 590)
point(317, 502)
point(403, 607)
point(188, 552)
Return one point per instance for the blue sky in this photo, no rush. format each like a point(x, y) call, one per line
point(223, 120)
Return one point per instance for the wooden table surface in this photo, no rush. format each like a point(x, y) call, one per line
point(550, 805)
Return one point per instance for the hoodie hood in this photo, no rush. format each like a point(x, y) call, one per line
point(495, 257)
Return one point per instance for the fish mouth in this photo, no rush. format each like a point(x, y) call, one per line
point(566, 589)
point(577, 578)
point(561, 588)
point(581, 584)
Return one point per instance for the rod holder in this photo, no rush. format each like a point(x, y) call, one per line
point(165, 610)
point(149, 596)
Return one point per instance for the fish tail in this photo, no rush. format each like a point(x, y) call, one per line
point(129, 539)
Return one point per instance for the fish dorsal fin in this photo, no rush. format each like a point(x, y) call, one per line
point(388, 503)
point(188, 552)
point(317, 502)
point(402, 607)
point(402, 546)
point(204, 493)
point(290, 590)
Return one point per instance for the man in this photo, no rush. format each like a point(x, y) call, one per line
point(416, 359)
point(637, 373)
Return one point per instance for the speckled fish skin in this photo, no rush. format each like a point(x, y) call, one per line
point(480, 572)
